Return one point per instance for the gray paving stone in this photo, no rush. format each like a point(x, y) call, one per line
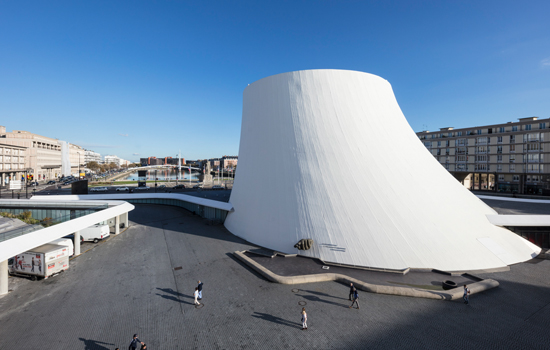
point(128, 285)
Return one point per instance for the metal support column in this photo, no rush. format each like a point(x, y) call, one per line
point(3, 277)
point(77, 243)
point(117, 224)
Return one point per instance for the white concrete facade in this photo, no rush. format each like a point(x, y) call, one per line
point(327, 129)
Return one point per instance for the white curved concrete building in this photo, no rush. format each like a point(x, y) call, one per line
point(328, 155)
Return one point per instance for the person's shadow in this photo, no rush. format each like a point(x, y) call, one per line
point(169, 297)
point(323, 294)
point(94, 344)
point(316, 298)
point(175, 293)
point(277, 320)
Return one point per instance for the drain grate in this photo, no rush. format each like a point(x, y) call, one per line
point(302, 303)
point(177, 268)
point(295, 290)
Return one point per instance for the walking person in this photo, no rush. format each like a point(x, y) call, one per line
point(355, 299)
point(466, 296)
point(200, 289)
point(352, 290)
point(135, 343)
point(304, 318)
point(196, 294)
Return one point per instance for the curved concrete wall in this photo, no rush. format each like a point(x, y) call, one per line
point(328, 155)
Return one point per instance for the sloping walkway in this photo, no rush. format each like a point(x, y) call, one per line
point(414, 283)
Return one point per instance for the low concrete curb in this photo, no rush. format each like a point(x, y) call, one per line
point(452, 294)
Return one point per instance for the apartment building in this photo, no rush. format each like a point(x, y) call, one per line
point(12, 163)
point(511, 158)
point(91, 156)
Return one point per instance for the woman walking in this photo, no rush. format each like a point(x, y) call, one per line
point(196, 295)
point(304, 318)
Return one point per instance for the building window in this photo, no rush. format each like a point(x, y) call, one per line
point(512, 168)
point(438, 151)
point(461, 158)
point(500, 177)
point(428, 144)
point(532, 147)
point(512, 158)
point(461, 167)
point(501, 129)
point(438, 143)
point(531, 158)
point(481, 149)
point(514, 128)
point(461, 142)
point(532, 168)
point(447, 152)
point(512, 148)
point(528, 127)
point(512, 138)
point(515, 178)
point(499, 149)
point(450, 134)
point(459, 133)
point(499, 167)
point(499, 158)
point(482, 158)
point(479, 131)
point(481, 167)
point(542, 125)
point(499, 139)
point(532, 137)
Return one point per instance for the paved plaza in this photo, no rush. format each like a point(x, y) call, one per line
point(133, 283)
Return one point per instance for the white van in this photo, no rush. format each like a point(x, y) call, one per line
point(66, 242)
point(94, 233)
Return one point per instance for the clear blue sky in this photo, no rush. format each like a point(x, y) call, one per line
point(147, 78)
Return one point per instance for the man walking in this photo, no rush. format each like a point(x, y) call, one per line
point(351, 291)
point(466, 295)
point(135, 342)
point(355, 299)
point(200, 289)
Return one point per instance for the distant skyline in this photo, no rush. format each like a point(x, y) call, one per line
point(140, 78)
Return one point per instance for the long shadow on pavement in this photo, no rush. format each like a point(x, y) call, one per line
point(169, 297)
point(323, 294)
point(317, 299)
point(277, 320)
point(175, 295)
point(94, 344)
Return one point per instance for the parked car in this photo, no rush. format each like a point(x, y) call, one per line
point(217, 187)
point(178, 187)
point(120, 189)
point(142, 188)
point(198, 186)
point(161, 186)
point(98, 189)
